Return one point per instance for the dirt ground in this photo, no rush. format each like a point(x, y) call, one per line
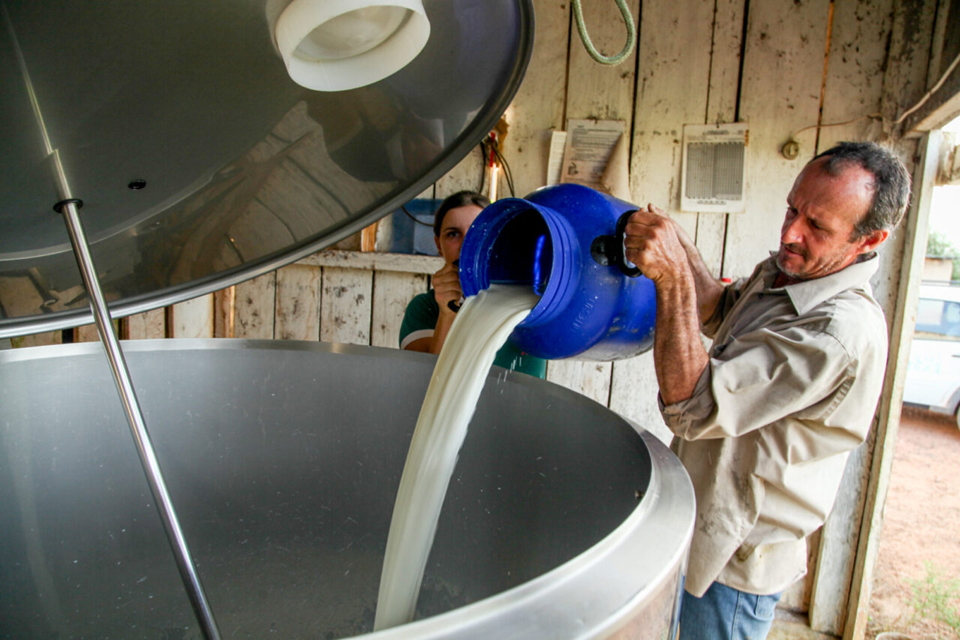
point(921, 525)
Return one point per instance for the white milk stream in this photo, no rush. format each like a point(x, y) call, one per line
point(482, 326)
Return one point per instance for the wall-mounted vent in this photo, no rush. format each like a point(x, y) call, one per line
point(714, 167)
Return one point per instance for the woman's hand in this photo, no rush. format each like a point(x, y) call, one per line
point(446, 288)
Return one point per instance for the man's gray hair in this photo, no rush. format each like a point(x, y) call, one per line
point(891, 182)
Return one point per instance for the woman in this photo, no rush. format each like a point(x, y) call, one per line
point(430, 315)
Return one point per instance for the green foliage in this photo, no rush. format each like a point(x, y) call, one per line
point(938, 246)
point(936, 597)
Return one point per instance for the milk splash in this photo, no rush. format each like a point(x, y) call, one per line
point(482, 326)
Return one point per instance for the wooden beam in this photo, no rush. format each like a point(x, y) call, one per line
point(374, 261)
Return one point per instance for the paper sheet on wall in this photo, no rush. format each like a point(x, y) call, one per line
point(558, 142)
point(589, 146)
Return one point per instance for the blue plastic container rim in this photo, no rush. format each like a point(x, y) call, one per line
point(478, 253)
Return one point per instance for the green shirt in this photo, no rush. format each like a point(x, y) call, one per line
point(420, 320)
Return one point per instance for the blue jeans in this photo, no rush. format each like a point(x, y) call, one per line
point(724, 613)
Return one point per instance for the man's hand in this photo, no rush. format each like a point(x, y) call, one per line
point(446, 288)
point(656, 245)
point(664, 253)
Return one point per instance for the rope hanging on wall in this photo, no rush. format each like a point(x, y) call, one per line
point(596, 55)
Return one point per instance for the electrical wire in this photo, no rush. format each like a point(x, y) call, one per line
point(506, 170)
point(834, 124)
point(920, 103)
point(403, 207)
point(483, 166)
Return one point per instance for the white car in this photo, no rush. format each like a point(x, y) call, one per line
point(933, 374)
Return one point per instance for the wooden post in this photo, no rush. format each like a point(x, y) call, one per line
point(368, 238)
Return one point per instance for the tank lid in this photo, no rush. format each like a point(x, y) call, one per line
point(199, 162)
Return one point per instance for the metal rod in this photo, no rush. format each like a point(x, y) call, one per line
point(68, 206)
point(131, 408)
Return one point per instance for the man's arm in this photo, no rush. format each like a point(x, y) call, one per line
point(654, 244)
point(709, 289)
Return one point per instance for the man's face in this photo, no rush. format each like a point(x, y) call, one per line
point(822, 211)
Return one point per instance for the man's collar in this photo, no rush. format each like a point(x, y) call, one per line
point(808, 294)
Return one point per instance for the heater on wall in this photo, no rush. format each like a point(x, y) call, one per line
point(714, 168)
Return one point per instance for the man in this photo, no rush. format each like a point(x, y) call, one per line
point(764, 421)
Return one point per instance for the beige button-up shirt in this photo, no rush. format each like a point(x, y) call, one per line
point(794, 377)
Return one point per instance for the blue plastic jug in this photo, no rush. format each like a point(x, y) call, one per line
point(566, 242)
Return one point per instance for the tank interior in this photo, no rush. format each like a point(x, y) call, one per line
point(283, 462)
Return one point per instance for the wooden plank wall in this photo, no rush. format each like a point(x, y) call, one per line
point(786, 68)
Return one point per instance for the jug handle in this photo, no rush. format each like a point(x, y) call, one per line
point(620, 259)
point(454, 305)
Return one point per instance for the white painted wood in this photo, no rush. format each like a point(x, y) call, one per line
point(298, 303)
point(345, 305)
point(537, 108)
point(392, 292)
point(374, 261)
point(721, 107)
point(634, 395)
point(672, 90)
point(463, 177)
point(711, 233)
point(597, 91)
point(591, 379)
point(782, 76)
point(853, 88)
point(254, 307)
point(86, 333)
point(193, 318)
point(146, 326)
point(725, 61)
point(37, 339)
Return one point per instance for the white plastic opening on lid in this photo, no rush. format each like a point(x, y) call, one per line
point(336, 45)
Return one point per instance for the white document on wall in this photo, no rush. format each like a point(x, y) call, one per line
point(558, 142)
point(588, 148)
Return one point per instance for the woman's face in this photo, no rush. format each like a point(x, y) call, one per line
point(453, 229)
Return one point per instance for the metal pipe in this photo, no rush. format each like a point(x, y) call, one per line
point(68, 206)
point(131, 407)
